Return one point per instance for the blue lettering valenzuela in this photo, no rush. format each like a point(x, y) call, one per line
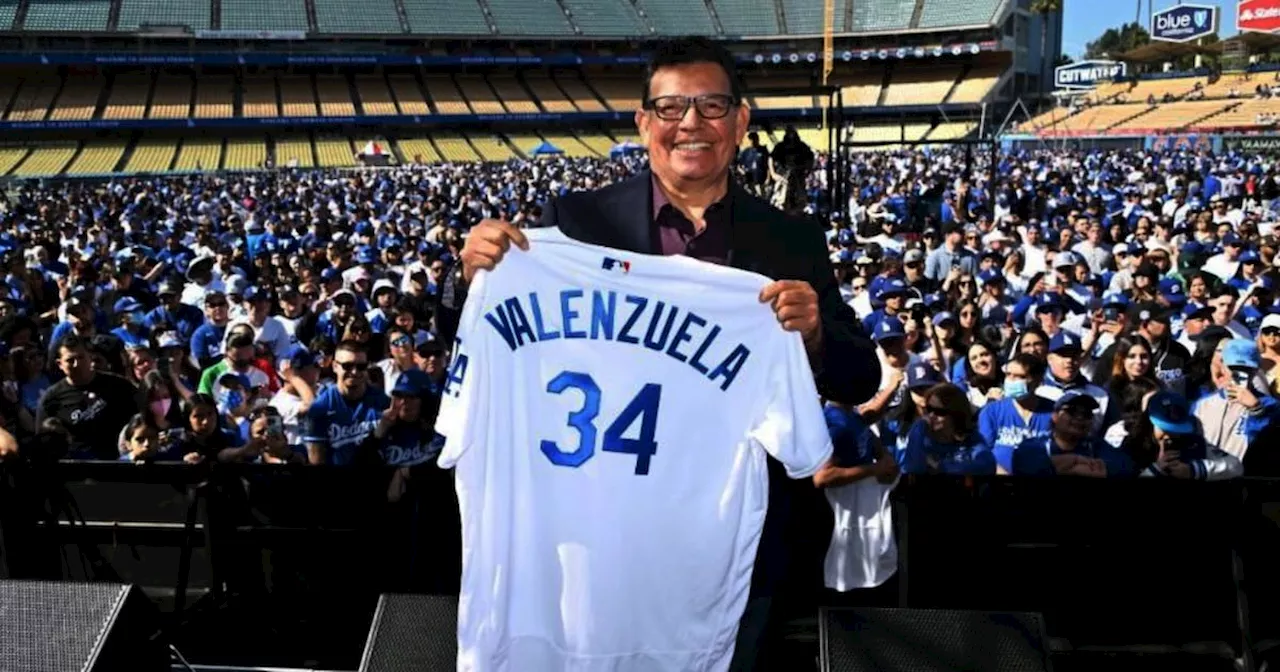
point(521, 321)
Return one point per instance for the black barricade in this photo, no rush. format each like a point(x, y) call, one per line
point(288, 561)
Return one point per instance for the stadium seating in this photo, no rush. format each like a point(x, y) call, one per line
point(297, 97)
point(616, 19)
point(78, 99)
point(10, 157)
point(199, 154)
point(49, 159)
point(335, 96)
point(454, 148)
point(260, 97)
point(816, 138)
point(418, 150)
point(445, 17)
point(67, 16)
point(782, 101)
point(491, 148)
point(1172, 116)
point(889, 134)
point(622, 94)
point(151, 156)
point(445, 94)
point(1099, 118)
point(547, 93)
point(1240, 114)
point(172, 98)
point(215, 97)
point(97, 158)
point(940, 13)
point(512, 95)
point(861, 88)
point(32, 101)
point(976, 85)
point(334, 152)
point(245, 154)
point(1159, 88)
point(529, 17)
point(356, 16)
point(1242, 83)
point(804, 17)
point(748, 17)
point(572, 147)
point(920, 85)
point(882, 15)
point(408, 94)
point(375, 97)
point(259, 15)
point(135, 13)
point(128, 98)
point(677, 17)
point(599, 143)
point(524, 143)
point(578, 92)
point(1046, 119)
point(295, 150)
point(8, 10)
point(954, 130)
point(479, 96)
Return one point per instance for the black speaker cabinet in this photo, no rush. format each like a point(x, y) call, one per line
point(412, 633)
point(78, 627)
point(931, 640)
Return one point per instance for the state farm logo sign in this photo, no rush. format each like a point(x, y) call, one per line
point(1087, 74)
point(1260, 16)
point(1184, 23)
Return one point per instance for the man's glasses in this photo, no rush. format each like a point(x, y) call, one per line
point(402, 342)
point(352, 367)
point(1271, 331)
point(859, 288)
point(937, 411)
point(914, 264)
point(673, 108)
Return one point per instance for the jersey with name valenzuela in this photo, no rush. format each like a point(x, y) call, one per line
point(609, 415)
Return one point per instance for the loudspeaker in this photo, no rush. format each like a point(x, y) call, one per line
point(78, 627)
point(412, 633)
point(930, 640)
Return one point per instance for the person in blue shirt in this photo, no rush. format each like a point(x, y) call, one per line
point(945, 440)
point(206, 342)
point(402, 438)
point(345, 413)
point(1070, 449)
point(857, 453)
point(184, 319)
point(1020, 414)
point(132, 318)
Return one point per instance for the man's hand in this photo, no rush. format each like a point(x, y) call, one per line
point(796, 306)
point(487, 243)
point(1241, 394)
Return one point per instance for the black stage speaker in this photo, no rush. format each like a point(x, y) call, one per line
point(412, 633)
point(930, 640)
point(78, 627)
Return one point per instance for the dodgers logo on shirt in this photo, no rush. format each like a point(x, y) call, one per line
point(611, 264)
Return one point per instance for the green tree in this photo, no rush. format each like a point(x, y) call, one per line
point(1114, 42)
point(1045, 8)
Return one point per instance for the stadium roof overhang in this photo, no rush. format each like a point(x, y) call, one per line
point(1257, 42)
point(1163, 52)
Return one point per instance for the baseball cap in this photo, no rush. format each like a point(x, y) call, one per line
point(329, 274)
point(889, 328)
point(126, 304)
point(944, 316)
point(237, 285)
point(1197, 312)
point(255, 293)
point(1115, 299)
point(1075, 398)
point(1147, 310)
point(169, 287)
point(1168, 412)
point(892, 287)
point(1172, 292)
point(1192, 248)
point(411, 383)
point(1272, 320)
point(1242, 353)
point(366, 255)
point(1064, 343)
point(922, 375)
point(301, 358)
point(912, 256)
point(1065, 259)
point(168, 339)
point(991, 275)
point(381, 285)
point(1049, 302)
point(1231, 239)
point(933, 300)
point(1250, 256)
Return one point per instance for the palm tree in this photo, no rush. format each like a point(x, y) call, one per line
point(1045, 8)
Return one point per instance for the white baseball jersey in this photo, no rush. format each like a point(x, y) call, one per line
point(609, 415)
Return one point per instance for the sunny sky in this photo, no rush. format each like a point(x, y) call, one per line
point(1085, 20)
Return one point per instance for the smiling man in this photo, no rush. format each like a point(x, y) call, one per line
point(692, 120)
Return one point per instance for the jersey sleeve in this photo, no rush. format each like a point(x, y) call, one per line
point(462, 414)
point(793, 429)
point(315, 424)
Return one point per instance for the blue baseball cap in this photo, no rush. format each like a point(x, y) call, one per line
point(922, 375)
point(892, 287)
point(126, 304)
point(1242, 353)
point(300, 358)
point(366, 255)
point(329, 274)
point(1231, 239)
point(934, 300)
point(1168, 412)
point(1115, 299)
point(411, 383)
point(1048, 302)
point(255, 293)
point(890, 328)
point(991, 275)
point(1076, 398)
point(944, 316)
point(1192, 249)
point(1063, 342)
point(1172, 292)
point(1250, 256)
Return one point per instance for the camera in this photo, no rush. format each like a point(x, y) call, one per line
point(1241, 376)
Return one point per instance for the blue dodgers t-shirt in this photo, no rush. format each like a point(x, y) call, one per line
point(970, 456)
point(852, 442)
point(1003, 428)
point(341, 425)
point(409, 444)
point(1034, 457)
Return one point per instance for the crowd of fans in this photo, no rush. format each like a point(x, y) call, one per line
point(1099, 313)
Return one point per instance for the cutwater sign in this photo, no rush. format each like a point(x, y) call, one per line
point(1184, 23)
point(1086, 74)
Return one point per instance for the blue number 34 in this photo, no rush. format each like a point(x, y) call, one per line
point(644, 407)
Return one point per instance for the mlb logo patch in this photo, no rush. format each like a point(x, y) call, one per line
point(611, 264)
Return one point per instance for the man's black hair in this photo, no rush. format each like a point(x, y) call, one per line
point(241, 341)
point(688, 50)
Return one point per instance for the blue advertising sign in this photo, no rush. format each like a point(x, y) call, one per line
point(1184, 23)
point(1086, 74)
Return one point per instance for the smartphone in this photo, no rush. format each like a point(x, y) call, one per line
point(1240, 377)
point(275, 425)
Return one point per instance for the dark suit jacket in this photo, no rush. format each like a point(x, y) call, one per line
point(763, 240)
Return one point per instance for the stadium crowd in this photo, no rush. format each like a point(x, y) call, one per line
point(1058, 312)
